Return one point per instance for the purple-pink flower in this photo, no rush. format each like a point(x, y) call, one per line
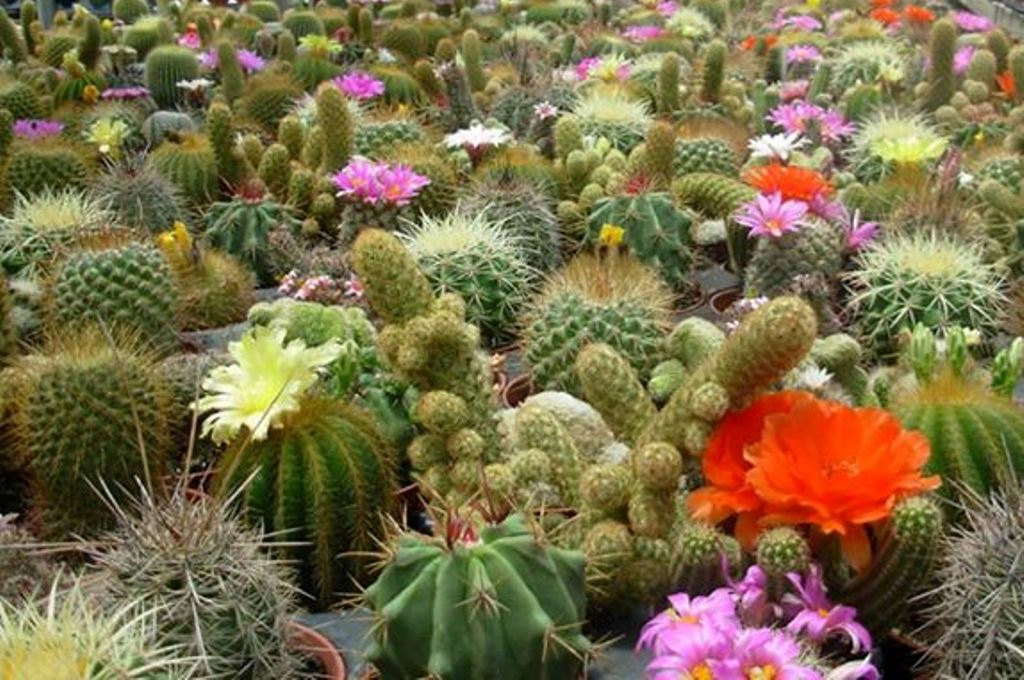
point(695, 656)
point(360, 85)
point(794, 89)
point(768, 653)
point(801, 22)
point(751, 595)
point(818, 619)
point(972, 23)
point(643, 33)
point(125, 93)
point(769, 215)
point(250, 61)
point(667, 8)
point(794, 116)
point(826, 208)
point(858, 233)
point(801, 54)
point(586, 65)
point(191, 40)
point(373, 183)
point(685, 615)
point(962, 59)
point(37, 128)
point(209, 59)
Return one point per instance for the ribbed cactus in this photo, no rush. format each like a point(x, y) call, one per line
point(815, 250)
point(275, 171)
point(334, 117)
point(89, 46)
point(473, 59)
point(668, 84)
point(475, 598)
point(221, 131)
point(232, 81)
point(941, 79)
point(88, 409)
point(713, 73)
point(301, 23)
point(705, 155)
point(242, 227)
point(166, 66)
point(189, 162)
point(20, 99)
point(712, 194)
point(269, 98)
point(656, 232)
point(130, 10)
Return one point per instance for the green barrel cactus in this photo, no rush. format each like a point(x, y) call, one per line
point(190, 163)
point(166, 66)
point(496, 602)
point(242, 228)
point(816, 250)
point(706, 154)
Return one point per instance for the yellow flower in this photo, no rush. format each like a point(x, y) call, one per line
point(265, 384)
point(107, 24)
point(611, 234)
point(91, 94)
point(176, 244)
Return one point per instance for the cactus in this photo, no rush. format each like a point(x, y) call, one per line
point(326, 477)
point(780, 552)
point(130, 10)
point(922, 278)
point(374, 137)
point(713, 73)
point(334, 116)
point(23, 569)
point(87, 409)
point(714, 195)
point(705, 155)
point(286, 49)
point(977, 595)
point(982, 68)
point(191, 164)
point(656, 232)
point(617, 118)
point(20, 99)
point(139, 196)
point(35, 168)
point(815, 250)
point(470, 585)
point(301, 23)
point(89, 46)
point(942, 80)
point(540, 430)
point(55, 47)
point(478, 260)
point(697, 558)
point(125, 285)
point(269, 98)
point(8, 331)
point(668, 84)
point(617, 301)
point(364, 26)
point(275, 171)
point(160, 125)
point(460, 100)
point(291, 133)
point(146, 34)
point(242, 227)
point(658, 153)
point(28, 16)
point(471, 57)
point(232, 604)
point(232, 81)
point(166, 66)
point(625, 406)
point(220, 130)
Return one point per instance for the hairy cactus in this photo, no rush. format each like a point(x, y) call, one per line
point(88, 408)
point(942, 79)
point(714, 72)
point(446, 592)
point(36, 168)
point(471, 57)
point(220, 129)
point(616, 301)
point(668, 84)
point(326, 477)
point(460, 99)
point(166, 66)
point(275, 171)
point(622, 401)
point(656, 232)
point(705, 155)
point(140, 196)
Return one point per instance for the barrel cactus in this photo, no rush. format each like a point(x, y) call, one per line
point(33, 168)
point(475, 598)
point(166, 66)
point(815, 250)
point(705, 155)
point(189, 162)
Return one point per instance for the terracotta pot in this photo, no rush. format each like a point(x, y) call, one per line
point(517, 389)
point(309, 642)
point(723, 299)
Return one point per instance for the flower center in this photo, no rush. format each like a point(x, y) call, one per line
point(701, 672)
point(762, 673)
point(773, 225)
point(823, 613)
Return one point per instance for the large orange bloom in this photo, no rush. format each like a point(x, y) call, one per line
point(838, 468)
point(725, 468)
point(792, 181)
point(916, 14)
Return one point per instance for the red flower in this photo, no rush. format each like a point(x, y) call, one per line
point(1007, 84)
point(886, 16)
point(916, 14)
point(792, 181)
point(748, 43)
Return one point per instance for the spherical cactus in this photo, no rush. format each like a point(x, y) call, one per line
point(697, 558)
point(87, 409)
point(269, 98)
point(716, 196)
point(620, 120)
point(478, 260)
point(242, 228)
point(472, 583)
point(441, 413)
point(130, 10)
point(815, 250)
point(605, 487)
point(166, 66)
point(922, 278)
point(145, 34)
point(657, 466)
point(780, 552)
point(127, 285)
point(326, 477)
point(301, 23)
point(35, 168)
point(375, 136)
point(190, 164)
point(20, 99)
point(55, 47)
point(655, 231)
point(705, 155)
point(619, 302)
point(233, 612)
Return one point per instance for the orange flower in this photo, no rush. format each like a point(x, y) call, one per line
point(725, 468)
point(792, 181)
point(748, 43)
point(881, 3)
point(1007, 84)
point(885, 15)
point(838, 468)
point(916, 14)
point(770, 41)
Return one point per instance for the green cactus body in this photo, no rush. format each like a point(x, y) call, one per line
point(712, 194)
point(1007, 171)
point(129, 286)
point(35, 168)
point(166, 66)
point(220, 129)
point(242, 227)
point(333, 116)
point(275, 171)
point(477, 604)
point(656, 232)
point(612, 387)
point(311, 70)
point(942, 79)
point(55, 47)
point(89, 46)
point(693, 340)
point(817, 249)
point(472, 57)
point(145, 35)
point(269, 98)
point(780, 552)
point(326, 477)
point(377, 136)
point(20, 99)
point(130, 10)
point(697, 559)
point(460, 99)
point(83, 409)
point(191, 164)
point(540, 430)
point(668, 83)
point(713, 72)
point(705, 155)
point(300, 23)
point(232, 81)
point(11, 40)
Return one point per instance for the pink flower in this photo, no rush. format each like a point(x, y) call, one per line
point(399, 185)
point(642, 33)
point(769, 215)
point(125, 93)
point(545, 110)
point(751, 595)
point(685, 615)
point(858, 233)
point(962, 59)
point(972, 23)
point(794, 89)
point(191, 40)
point(700, 654)
point(209, 59)
point(826, 208)
point(35, 128)
point(360, 85)
point(354, 288)
point(667, 8)
point(799, 54)
point(802, 22)
point(250, 61)
point(818, 619)
point(793, 117)
point(358, 179)
point(585, 66)
point(855, 670)
point(766, 653)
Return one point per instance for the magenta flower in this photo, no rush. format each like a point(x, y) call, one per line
point(769, 215)
point(585, 66)
point(209, 59)
point(354, 287)
point(36, 128)
point(685, 615)
point(125, 93)
point(794, 89)
point(667, 8)
point(250, 61)
point(826, 208)
point(972, 23)
point(793, 117)
point(360, 85)
point(190, 40)
point(801, 22)
point(818, 619)
point(751, 596)
point(802, 54)
point(358, 180)
point(858, 233)
point(962, 59)
point(642, 33)
point(855, 670)
point(700, 654)
point(834, 125)
point(399, 184)
point(766, 653)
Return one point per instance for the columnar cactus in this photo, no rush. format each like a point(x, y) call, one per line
point(942, 80)
point(334, 116)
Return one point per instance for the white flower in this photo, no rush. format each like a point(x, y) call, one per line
point(776, 147)
point(476, 136)
point(545, 110)
point(266, 383)
point(965, 179)
point(195, 85)
point(813, 378)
